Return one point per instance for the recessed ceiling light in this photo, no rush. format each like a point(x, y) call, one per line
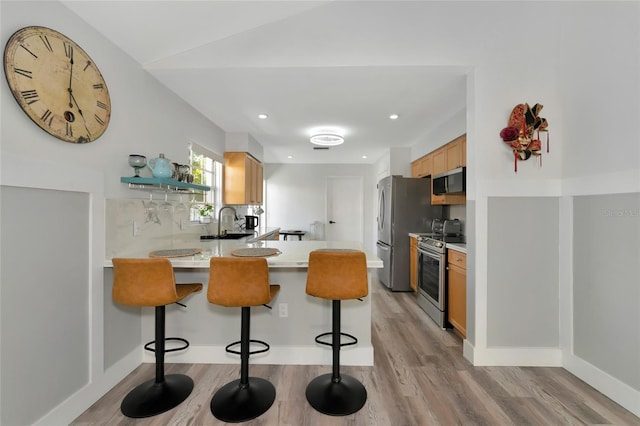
point(326, 139)
point(263, 116)
point(289, 156)
point(394, 116)
point(364, 156)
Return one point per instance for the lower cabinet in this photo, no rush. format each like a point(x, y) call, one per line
point(457, 290)
point(413, 263)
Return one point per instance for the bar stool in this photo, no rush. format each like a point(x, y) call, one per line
point(151, 282)
point(242, 282)
point(337, 275)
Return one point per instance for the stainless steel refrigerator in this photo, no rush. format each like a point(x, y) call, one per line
point(404, 206)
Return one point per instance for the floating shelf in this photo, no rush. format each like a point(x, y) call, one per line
point(163, 184)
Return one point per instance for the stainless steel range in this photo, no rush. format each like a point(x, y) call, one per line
point(432, 261)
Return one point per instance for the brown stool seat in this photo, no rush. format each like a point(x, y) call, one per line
point(337, 275)
point(151, 282)
point(242, 282)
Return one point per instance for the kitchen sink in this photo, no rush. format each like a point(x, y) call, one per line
point(227, 236)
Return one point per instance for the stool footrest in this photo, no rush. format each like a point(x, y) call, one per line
point(150, 346)
point(256, 351)
point(353, 339)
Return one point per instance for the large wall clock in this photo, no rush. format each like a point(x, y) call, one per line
point(57, 84)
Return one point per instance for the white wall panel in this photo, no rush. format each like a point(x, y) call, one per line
point(45, 300)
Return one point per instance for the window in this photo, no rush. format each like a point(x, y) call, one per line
point(206, 168)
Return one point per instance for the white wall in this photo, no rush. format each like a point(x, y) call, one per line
point(146, 119)
point(296, 195)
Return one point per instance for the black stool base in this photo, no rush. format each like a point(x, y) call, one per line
point(151, 398)
point(233, 403)
point(336, 398)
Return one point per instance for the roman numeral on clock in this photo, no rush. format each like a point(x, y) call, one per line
point(98, 119)
point(24, 73)
point(98, 86)
point(101, 105)
point(30, 96)
point(68, 51)
point(45, 40)
point(47, 116)
point(69, 130)
point(30, 52)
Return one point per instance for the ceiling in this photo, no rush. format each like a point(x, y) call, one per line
point(307, 64)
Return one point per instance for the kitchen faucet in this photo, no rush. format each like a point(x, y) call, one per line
point(235, 215)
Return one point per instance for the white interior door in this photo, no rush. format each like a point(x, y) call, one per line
point(345, 211)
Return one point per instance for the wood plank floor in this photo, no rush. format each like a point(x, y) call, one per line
point(419, 378)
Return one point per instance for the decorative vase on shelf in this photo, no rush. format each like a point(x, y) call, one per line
point(137, 162)
point(160, 167)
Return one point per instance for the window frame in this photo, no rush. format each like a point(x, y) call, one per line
point(208, 174)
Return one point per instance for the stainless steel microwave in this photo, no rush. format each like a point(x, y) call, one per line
point(451, 182)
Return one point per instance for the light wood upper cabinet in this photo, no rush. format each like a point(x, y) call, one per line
point(242, 179)
point(448, 157)
point(464, 150)
point(439, 161)
point(457, 290)
point(415, 168)
point(427, 165)
point(454, 153)
point(422, 166)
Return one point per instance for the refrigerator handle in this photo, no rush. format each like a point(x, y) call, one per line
point(383, 246)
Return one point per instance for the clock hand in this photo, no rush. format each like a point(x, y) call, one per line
point(71, 78)
point(79, 112)
point(72, 99)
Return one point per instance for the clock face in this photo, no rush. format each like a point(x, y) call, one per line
point(57, 84)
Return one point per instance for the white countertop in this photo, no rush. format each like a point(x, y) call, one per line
point(418, 234)
point(294, 254)
point(461, 247)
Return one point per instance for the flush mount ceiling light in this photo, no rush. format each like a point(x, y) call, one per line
point(263, 116)
point(394, 116)
point(326, 139)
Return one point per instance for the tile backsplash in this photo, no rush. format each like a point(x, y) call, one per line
point(126, 217)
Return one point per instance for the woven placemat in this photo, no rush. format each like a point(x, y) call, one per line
point(255, 252)
point(175, 252)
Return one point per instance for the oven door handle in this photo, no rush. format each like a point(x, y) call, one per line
point(435, 256)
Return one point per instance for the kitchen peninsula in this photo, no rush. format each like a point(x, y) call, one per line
point(290, 327)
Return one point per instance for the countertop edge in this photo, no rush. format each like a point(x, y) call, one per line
point(293, 254)
point(461, 247)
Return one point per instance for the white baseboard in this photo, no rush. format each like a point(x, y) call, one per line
point(277, 355)
point(512, 357)
point(78, 403)
point(468, 351)
point(613, 388)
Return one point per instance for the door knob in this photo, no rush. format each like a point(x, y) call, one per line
point(331, 221)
